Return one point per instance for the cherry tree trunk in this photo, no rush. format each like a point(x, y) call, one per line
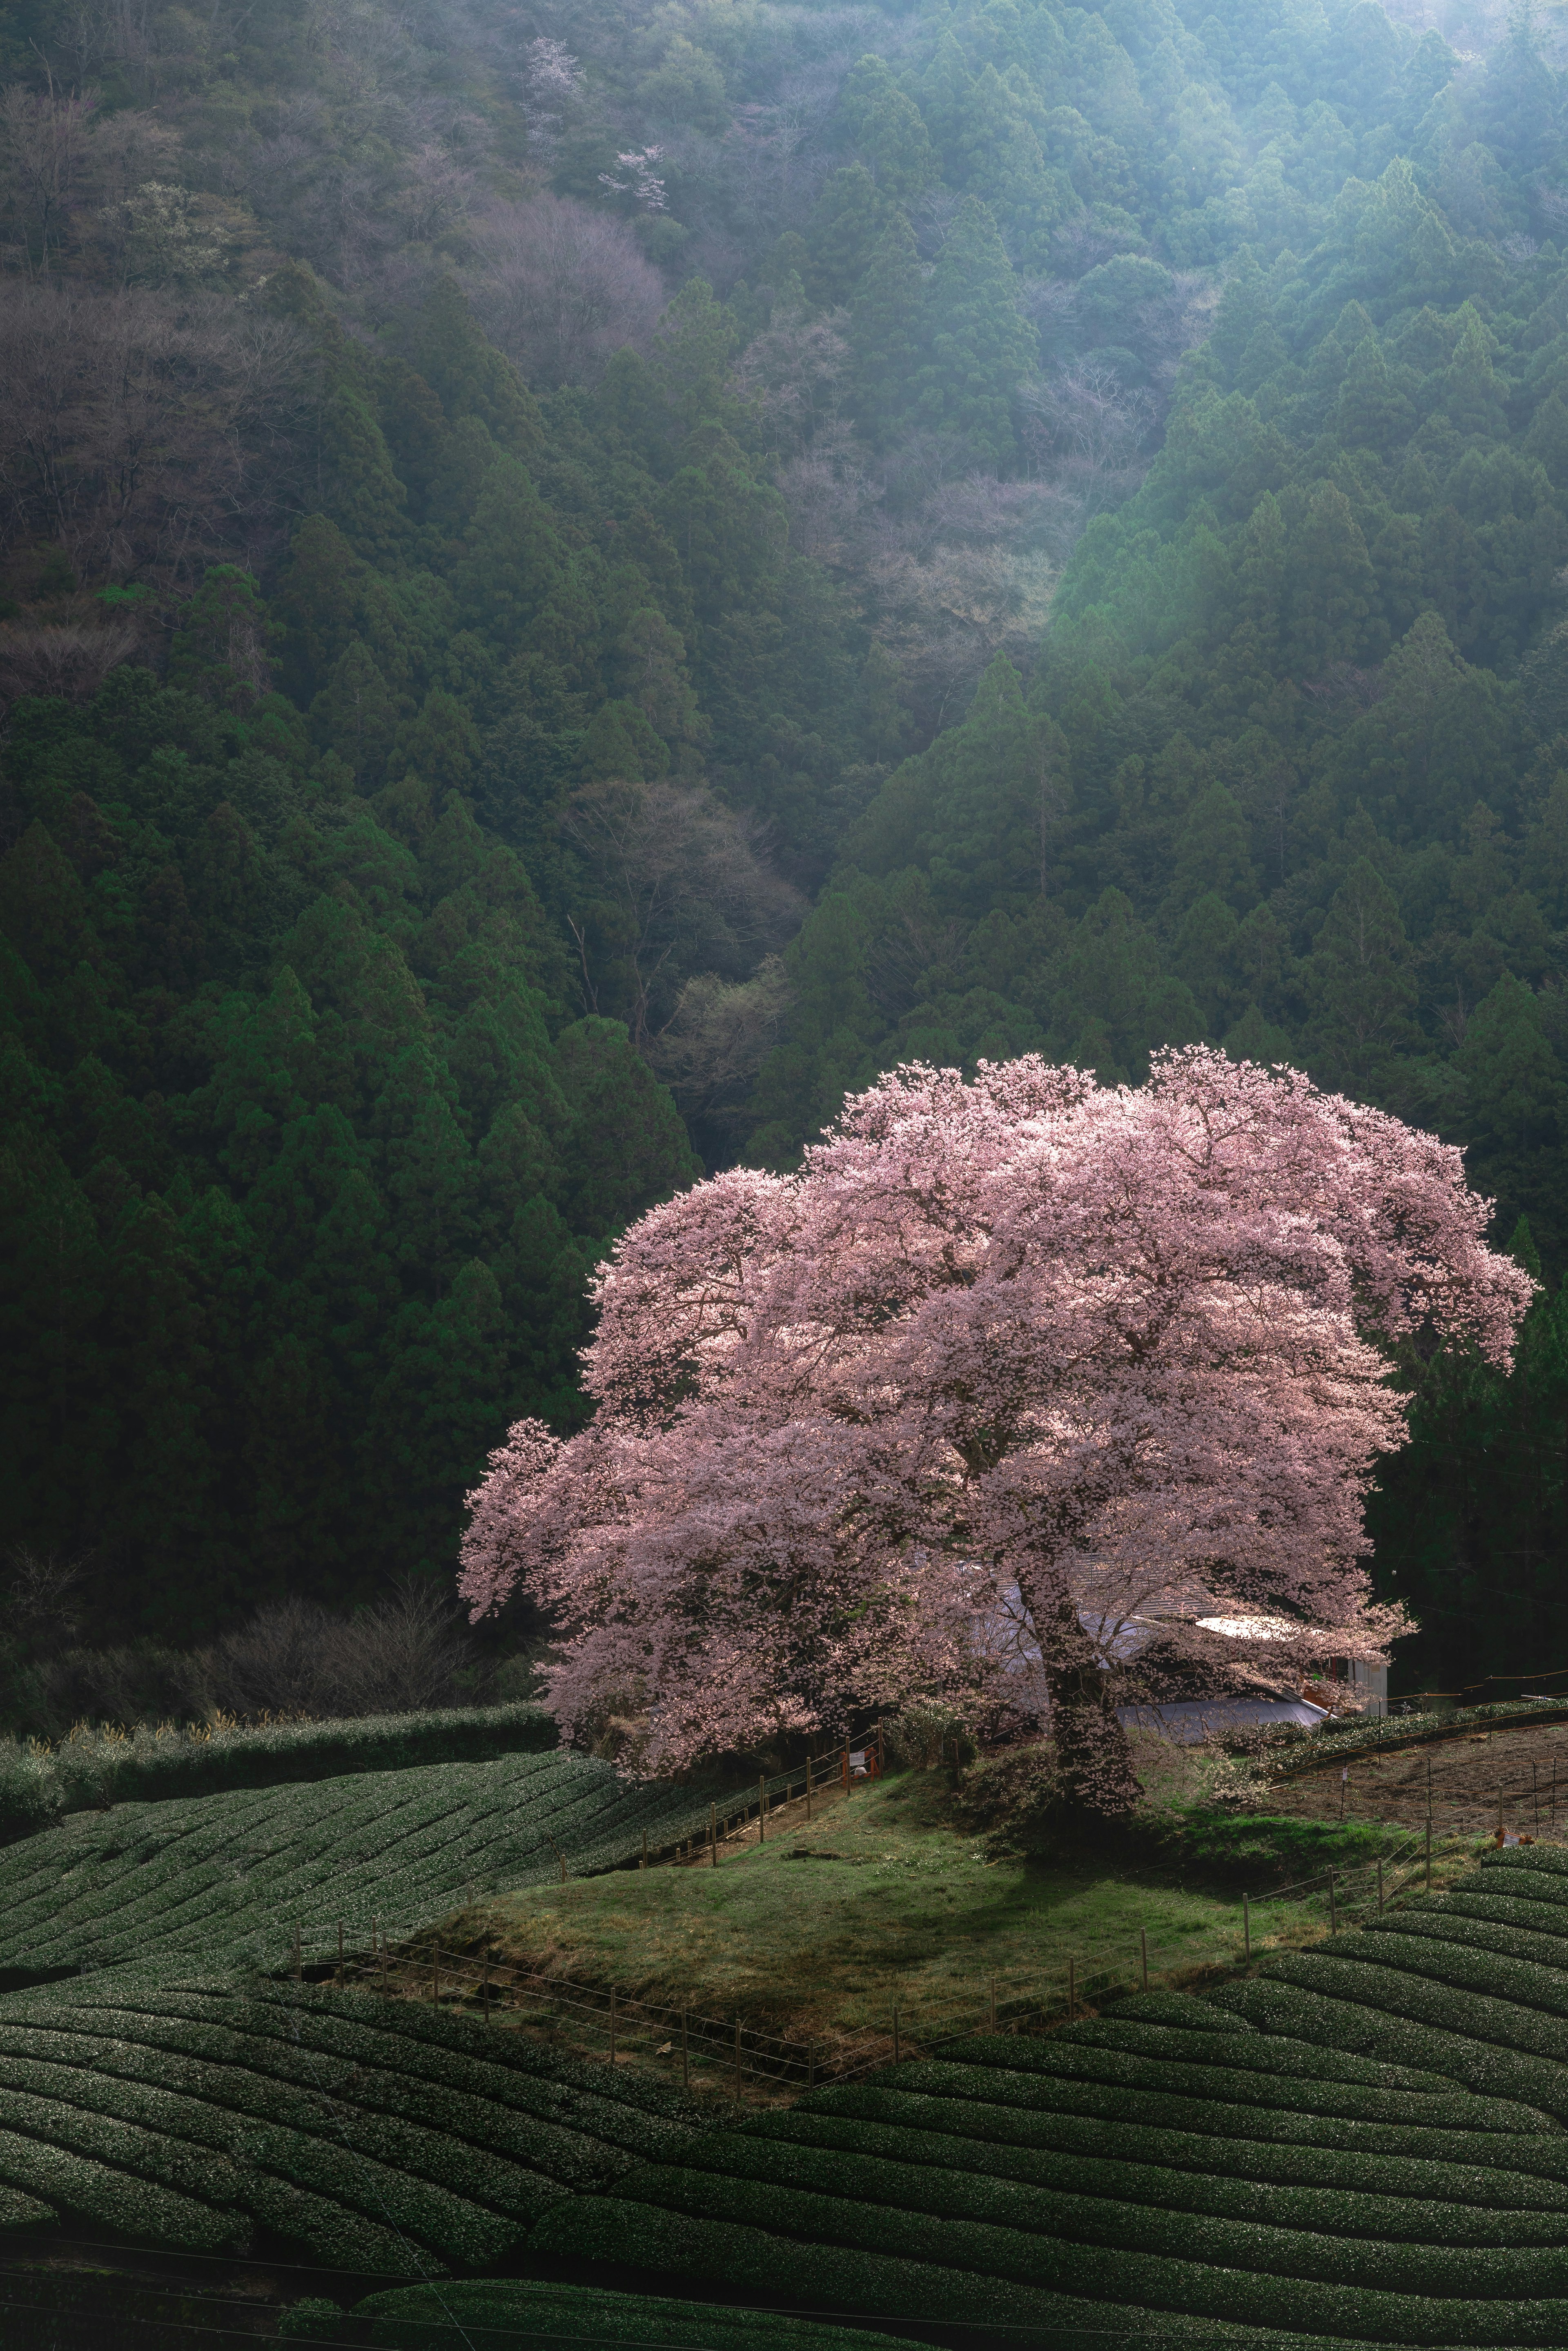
point(1093, 1754)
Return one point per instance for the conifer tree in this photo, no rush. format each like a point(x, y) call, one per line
point(944, 89)
point(359, 491)
point(1360, 984)
point(355, 716)
point(976, 346)
point(896, 148)
point(850, 215)
point(1372, 412)
point(1333, 586)
point(512, 559)
point(1473, 392)
point(445, 344)
point(884, 332)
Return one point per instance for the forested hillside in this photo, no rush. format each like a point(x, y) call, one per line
point(578, 580)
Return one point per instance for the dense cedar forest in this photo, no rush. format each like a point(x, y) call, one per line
point(578, 580)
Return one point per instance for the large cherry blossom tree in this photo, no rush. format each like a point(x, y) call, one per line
point(1008, 1372)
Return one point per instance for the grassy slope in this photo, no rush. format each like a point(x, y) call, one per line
point(913, 1907)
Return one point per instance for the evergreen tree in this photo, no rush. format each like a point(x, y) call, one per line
point(977, 345)
point(1474, 394)
point(354, 715)
point(884, 332)
point(1333, 588)
point(1360, 985)
point(1371, 412)
point(359, 491)
point(896, 148)
point(444, 344)
point(943, 95)
point(851, 213)
point(512, 559)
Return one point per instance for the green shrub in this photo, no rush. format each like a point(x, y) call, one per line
point(1343, 2009)
point(1477, 2169)
point(95, 1768)
point(310, 2321)
point(874, 2258)
point(1374, 1731)
point(30, 1795)
point(501, 2313)
point(1054, 2236)
point(852, 2279)
point(1402, 2207)
point(1058, 2061)
point(192, 2111)
point(238, 1871)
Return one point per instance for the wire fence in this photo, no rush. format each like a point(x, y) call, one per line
point(1524, 1797)
point(729, 2054)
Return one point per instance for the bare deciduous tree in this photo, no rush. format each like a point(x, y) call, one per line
point(713, 1047)
point(563, 286)
point(136, 430)
point(688, 885)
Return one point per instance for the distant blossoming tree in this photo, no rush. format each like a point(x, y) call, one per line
point(1005, 1366)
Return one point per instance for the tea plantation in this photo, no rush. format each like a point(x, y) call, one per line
point(1360, 2144)
point(197, 1877)
point(1364, 2144)
point(366, 2134)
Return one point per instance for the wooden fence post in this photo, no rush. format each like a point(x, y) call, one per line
point(644, 1863)
point(1429, 1853)
point(846, 1769)
point(1535, 1795)
point(808, 1787)
point(713, 1834)
point(435, 1978)
point(1499, 1811)
point(761, 1811)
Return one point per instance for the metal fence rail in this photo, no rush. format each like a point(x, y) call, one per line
point(727, 2053)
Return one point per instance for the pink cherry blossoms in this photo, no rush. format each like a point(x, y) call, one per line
point(1007, 1366)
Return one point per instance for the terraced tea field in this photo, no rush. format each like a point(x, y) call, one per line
point(363, 2134)
point(1364, 2144)
point(470, 2314)
point(202, 1877)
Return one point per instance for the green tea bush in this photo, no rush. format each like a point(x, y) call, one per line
point(854, 2278)
point(1397, 2202)
point(1054, 2237)
point(501, 2313)
point(1337, 2013)
point(1469, 2173)
point(186, 2115)
point(238, 1871)
point(1043, 2064)
point(1380, 1730)
point(92, 1768)
point(1209, 2269)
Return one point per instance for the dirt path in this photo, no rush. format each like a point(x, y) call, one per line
point(1476, 1777)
